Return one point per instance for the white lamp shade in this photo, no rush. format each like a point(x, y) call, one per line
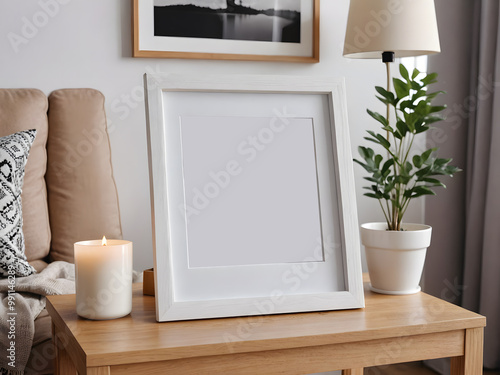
point(405, 27)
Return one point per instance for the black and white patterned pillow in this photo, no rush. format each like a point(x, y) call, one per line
point(14, 150)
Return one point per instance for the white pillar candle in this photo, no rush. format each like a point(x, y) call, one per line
point(103, 279)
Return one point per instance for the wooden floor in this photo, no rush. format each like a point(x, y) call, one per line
point(416, 368)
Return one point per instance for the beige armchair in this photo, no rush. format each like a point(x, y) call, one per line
point(69, 193)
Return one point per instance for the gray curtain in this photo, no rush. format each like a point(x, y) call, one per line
point(463, 265)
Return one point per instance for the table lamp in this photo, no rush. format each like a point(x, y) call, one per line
point(391, 28)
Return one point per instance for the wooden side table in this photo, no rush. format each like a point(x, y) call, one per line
point(390, 329)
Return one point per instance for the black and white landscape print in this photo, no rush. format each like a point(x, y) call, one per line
point(252, 20)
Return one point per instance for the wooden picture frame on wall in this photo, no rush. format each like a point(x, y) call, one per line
point(252, 196)
point(201, 29)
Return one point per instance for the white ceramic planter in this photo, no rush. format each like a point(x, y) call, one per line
point(395, 258)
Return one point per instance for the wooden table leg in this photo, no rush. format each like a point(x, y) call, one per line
point(471, 363)
point(104, 370)
point(353, 371)
point(63, 364)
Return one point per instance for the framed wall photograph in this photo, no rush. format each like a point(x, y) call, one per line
point(255, 30)
point(252, 196)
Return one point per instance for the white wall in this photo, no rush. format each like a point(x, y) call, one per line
point(87, 43)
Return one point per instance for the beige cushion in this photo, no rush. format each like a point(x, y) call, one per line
point(23, 109)
point(82, 196)
point(39, 265)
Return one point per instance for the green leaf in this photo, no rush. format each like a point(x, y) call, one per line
point(415, 85)
point(378, 117)
point(410, 121)
point(380, 139)
point(383, 100)
point(422, 108)
point(382, 91)
point(388, 187)
point(371, 195)
point(365, 166)
point(419, 94)
point(425, 156)
point(404, 72)
point(418, 191)
point(434, 109)
point(402, 128)
point(450, 170)
point(387, 165)
point(359, 162)
point(387, 95)
point(430, 78)
point(423, 172)
point(432, 95)
point(417, 161)
point(420, 128)
point(441, 161)
point(415, 73)
point(402, 179)
point(402, 89)
point(408, 167)
point(433, 181)
point(366, 152)
point(389, 129)
point(406, 104)
point(432, 119)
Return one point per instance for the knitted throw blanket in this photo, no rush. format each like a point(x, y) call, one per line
point(22, 299)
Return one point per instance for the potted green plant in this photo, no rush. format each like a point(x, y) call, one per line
point(396, 251)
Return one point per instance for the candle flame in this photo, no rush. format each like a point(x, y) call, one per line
point(104, 241)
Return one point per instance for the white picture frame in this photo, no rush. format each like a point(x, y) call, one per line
point(252, 196)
